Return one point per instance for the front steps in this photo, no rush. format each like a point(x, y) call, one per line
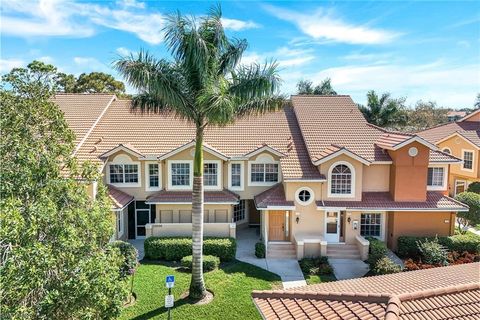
point(343, 251)
point(281, 250)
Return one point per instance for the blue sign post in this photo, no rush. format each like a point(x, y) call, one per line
point(169, 282)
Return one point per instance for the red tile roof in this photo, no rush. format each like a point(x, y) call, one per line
point(470, 130)
point(119, 198)
point(440, 156)
point(440, 293)
point(383, 200)
point(273, 197)
point(223, 196)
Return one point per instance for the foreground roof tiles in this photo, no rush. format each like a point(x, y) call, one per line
point(119, 198)
point(273, 197)
point(383, 200)
point(440, 293)
point(223, 196)
point(158, 134)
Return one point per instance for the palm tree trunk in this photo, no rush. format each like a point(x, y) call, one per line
point(197, 284)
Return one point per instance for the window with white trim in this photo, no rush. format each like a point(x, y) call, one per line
point(153, 178)
point(236, 175)
point(119, 223)
point(239, 211)
point(123, 173)
point(468, 160)
point(180, 174)
point(210, 174)
point(436, 177)
point(264, 172)
point(341, 180)
point(370, 224)
point(304, 196)
point(460, 186)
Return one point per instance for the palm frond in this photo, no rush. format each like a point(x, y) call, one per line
point(255, 81)
point(260, 105)
point(232, 56)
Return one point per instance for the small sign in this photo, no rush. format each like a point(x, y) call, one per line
point(169, 301)
point(170, 281)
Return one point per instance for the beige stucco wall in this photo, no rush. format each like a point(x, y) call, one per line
point(176, 213)
point(376, 178)
point(456, 145)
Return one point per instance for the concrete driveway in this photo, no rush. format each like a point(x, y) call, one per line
point(288, 269)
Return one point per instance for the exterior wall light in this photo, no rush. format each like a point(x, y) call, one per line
point(297, 215)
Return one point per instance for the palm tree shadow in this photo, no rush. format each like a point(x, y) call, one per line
point(249, 270)
point(162, 310)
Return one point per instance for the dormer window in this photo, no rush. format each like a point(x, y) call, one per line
point(341, 180)
point(123, 174)
point(264, 171)
point(437, 178)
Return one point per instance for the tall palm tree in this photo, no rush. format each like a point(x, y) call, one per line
point(205, 84)
point(383, 111)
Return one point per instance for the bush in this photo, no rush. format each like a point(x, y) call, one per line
point(260, 250)
point(129, 254)
point(376, 251)
point(474, 187)
point(407, 245)
point(316, 266)
point(472, 216)
point(433, 252)
point(386, 265)
point(175, 248)
point(209, 262)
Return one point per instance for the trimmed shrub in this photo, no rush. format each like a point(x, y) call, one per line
point(209, 262)
point(474, 187)
point(129, 254)
point(407, 245)
point(175, 248)
point(316, 266)
point(376, 251)
point(260, 250)
point(433, 252)
point(472, 216)
point(386, 265)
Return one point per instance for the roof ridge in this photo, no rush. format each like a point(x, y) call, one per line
point(422, 294)
point(324, 295)
point(84, 94)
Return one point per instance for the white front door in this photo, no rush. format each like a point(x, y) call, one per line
point(332, 226)
point(142, 217)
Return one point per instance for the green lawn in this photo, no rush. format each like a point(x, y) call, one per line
point(313, 279)
point(232, 285)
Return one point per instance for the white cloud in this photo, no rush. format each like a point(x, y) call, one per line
point(46, 59)
point(8, 64)
point(323, 25)
point(88, 64)
point(131, 3)
point(124, 51)
point(285, 56)
point(237, 25)
point(449, 85)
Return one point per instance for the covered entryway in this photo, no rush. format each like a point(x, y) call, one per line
point(277, 226)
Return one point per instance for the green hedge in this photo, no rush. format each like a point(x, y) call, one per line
point(129, 254)
point(407, 245)
point(260, 250)
point(377, 250)
point(175, 248)
point(209, 262)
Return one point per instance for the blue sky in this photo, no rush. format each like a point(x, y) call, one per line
point(419, 50)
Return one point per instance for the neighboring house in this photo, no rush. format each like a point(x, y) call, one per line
point(440, 293)
point(462, 140)
point(312, 174)
point(455, 115)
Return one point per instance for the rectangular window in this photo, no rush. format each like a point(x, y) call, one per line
point(153, 181)
point(236, 175)
point(460, 186)
point(468, 160)
point(123, 173)
point(264, 172)
point(180, 174)
point(370, 224)
point(239, 211)
point(210, 174)
point(435, 177)
point(120, 223)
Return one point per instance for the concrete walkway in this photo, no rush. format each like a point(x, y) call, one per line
point(288, 269)
point(138, 244)
point(348, 268)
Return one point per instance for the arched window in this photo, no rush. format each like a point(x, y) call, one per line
point(341, 180)
point(447, 150)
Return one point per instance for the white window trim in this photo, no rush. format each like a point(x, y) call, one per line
point(242, 176)
point(304, 203)
point(119, 218)
point(219, 175)
point(329, 182)
point(449, 150)
point(463, 159)
point(262, 159)
point(443, 187)
point(457, 183)
point(147, 176)
point(169, 174)
point(129, 184)
point(382, 224)
point(245, 217)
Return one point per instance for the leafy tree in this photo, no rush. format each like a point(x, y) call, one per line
point(55, 263)
point(384, 111)
point(324, 88)
point(426, 115)
point(66, 82)
point(204, 84)
point(472, 216)
point(98, 82)
point(477, 102)
point(474, 187)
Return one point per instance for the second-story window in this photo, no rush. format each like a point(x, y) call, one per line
point(123, 173)
point(264, 172)
point(435, 177)
point(341, 180)
point(153, 181)
point(210, 174)
point(236, 175)
point(468, 160)
point(180, 174)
